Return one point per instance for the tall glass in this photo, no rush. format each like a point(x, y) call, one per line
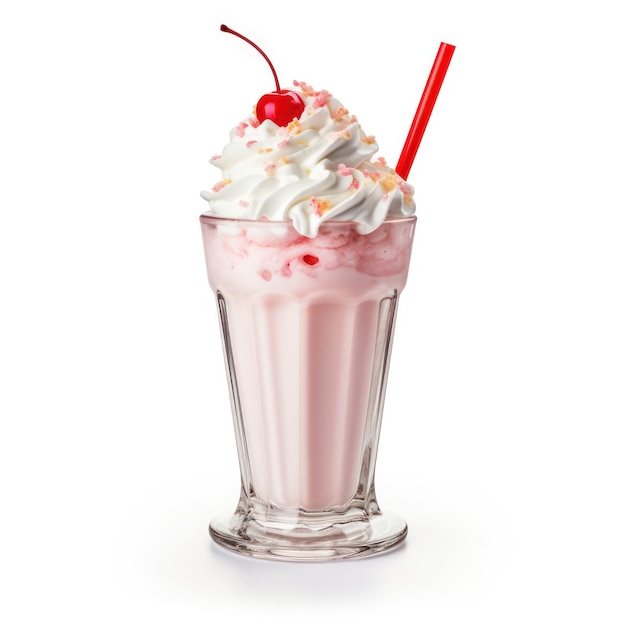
point(307, 327)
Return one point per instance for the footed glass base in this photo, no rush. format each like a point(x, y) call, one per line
point(313, 538)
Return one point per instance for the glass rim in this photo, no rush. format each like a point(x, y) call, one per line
point(211, 218)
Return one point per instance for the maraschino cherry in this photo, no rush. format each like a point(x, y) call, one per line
point(281, 106)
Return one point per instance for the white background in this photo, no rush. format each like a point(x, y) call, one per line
point(503, 438)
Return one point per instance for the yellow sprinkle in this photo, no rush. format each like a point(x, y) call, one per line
point(388, 183)
point(294, 127)
point(219, 186)
point(340, 113)
point(320, 206)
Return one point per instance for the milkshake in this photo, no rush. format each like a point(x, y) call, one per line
point(307, 322)
point(307, 245)
point(307, 327)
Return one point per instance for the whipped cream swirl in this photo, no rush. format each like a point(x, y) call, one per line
point(317, 168)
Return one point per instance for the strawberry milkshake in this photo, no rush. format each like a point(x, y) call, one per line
point(307, 245)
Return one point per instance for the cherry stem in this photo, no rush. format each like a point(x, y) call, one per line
point(226, 29)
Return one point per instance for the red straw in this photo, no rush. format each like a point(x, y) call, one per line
point(424, 109)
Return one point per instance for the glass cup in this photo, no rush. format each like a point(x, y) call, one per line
point(307, 328)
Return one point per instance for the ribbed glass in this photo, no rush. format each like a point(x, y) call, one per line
point(307, 328)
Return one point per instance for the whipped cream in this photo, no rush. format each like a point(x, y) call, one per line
point(317, 168)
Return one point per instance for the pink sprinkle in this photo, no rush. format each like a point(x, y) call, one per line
point(406, 189)
point(250, 143)
point(321, 99)
point(241, 129)
point(340, 112)
point(284, 134)
point(355, 184)
point(382, 161)
point(319, 206)
point(340, 134)
point(266, 275)
point(372, 175)
point(307, 90)
point(244, 204)
point(270, 167)
point(215, 157)
point(219, 186)
point(345, 171)
point(254, 122)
